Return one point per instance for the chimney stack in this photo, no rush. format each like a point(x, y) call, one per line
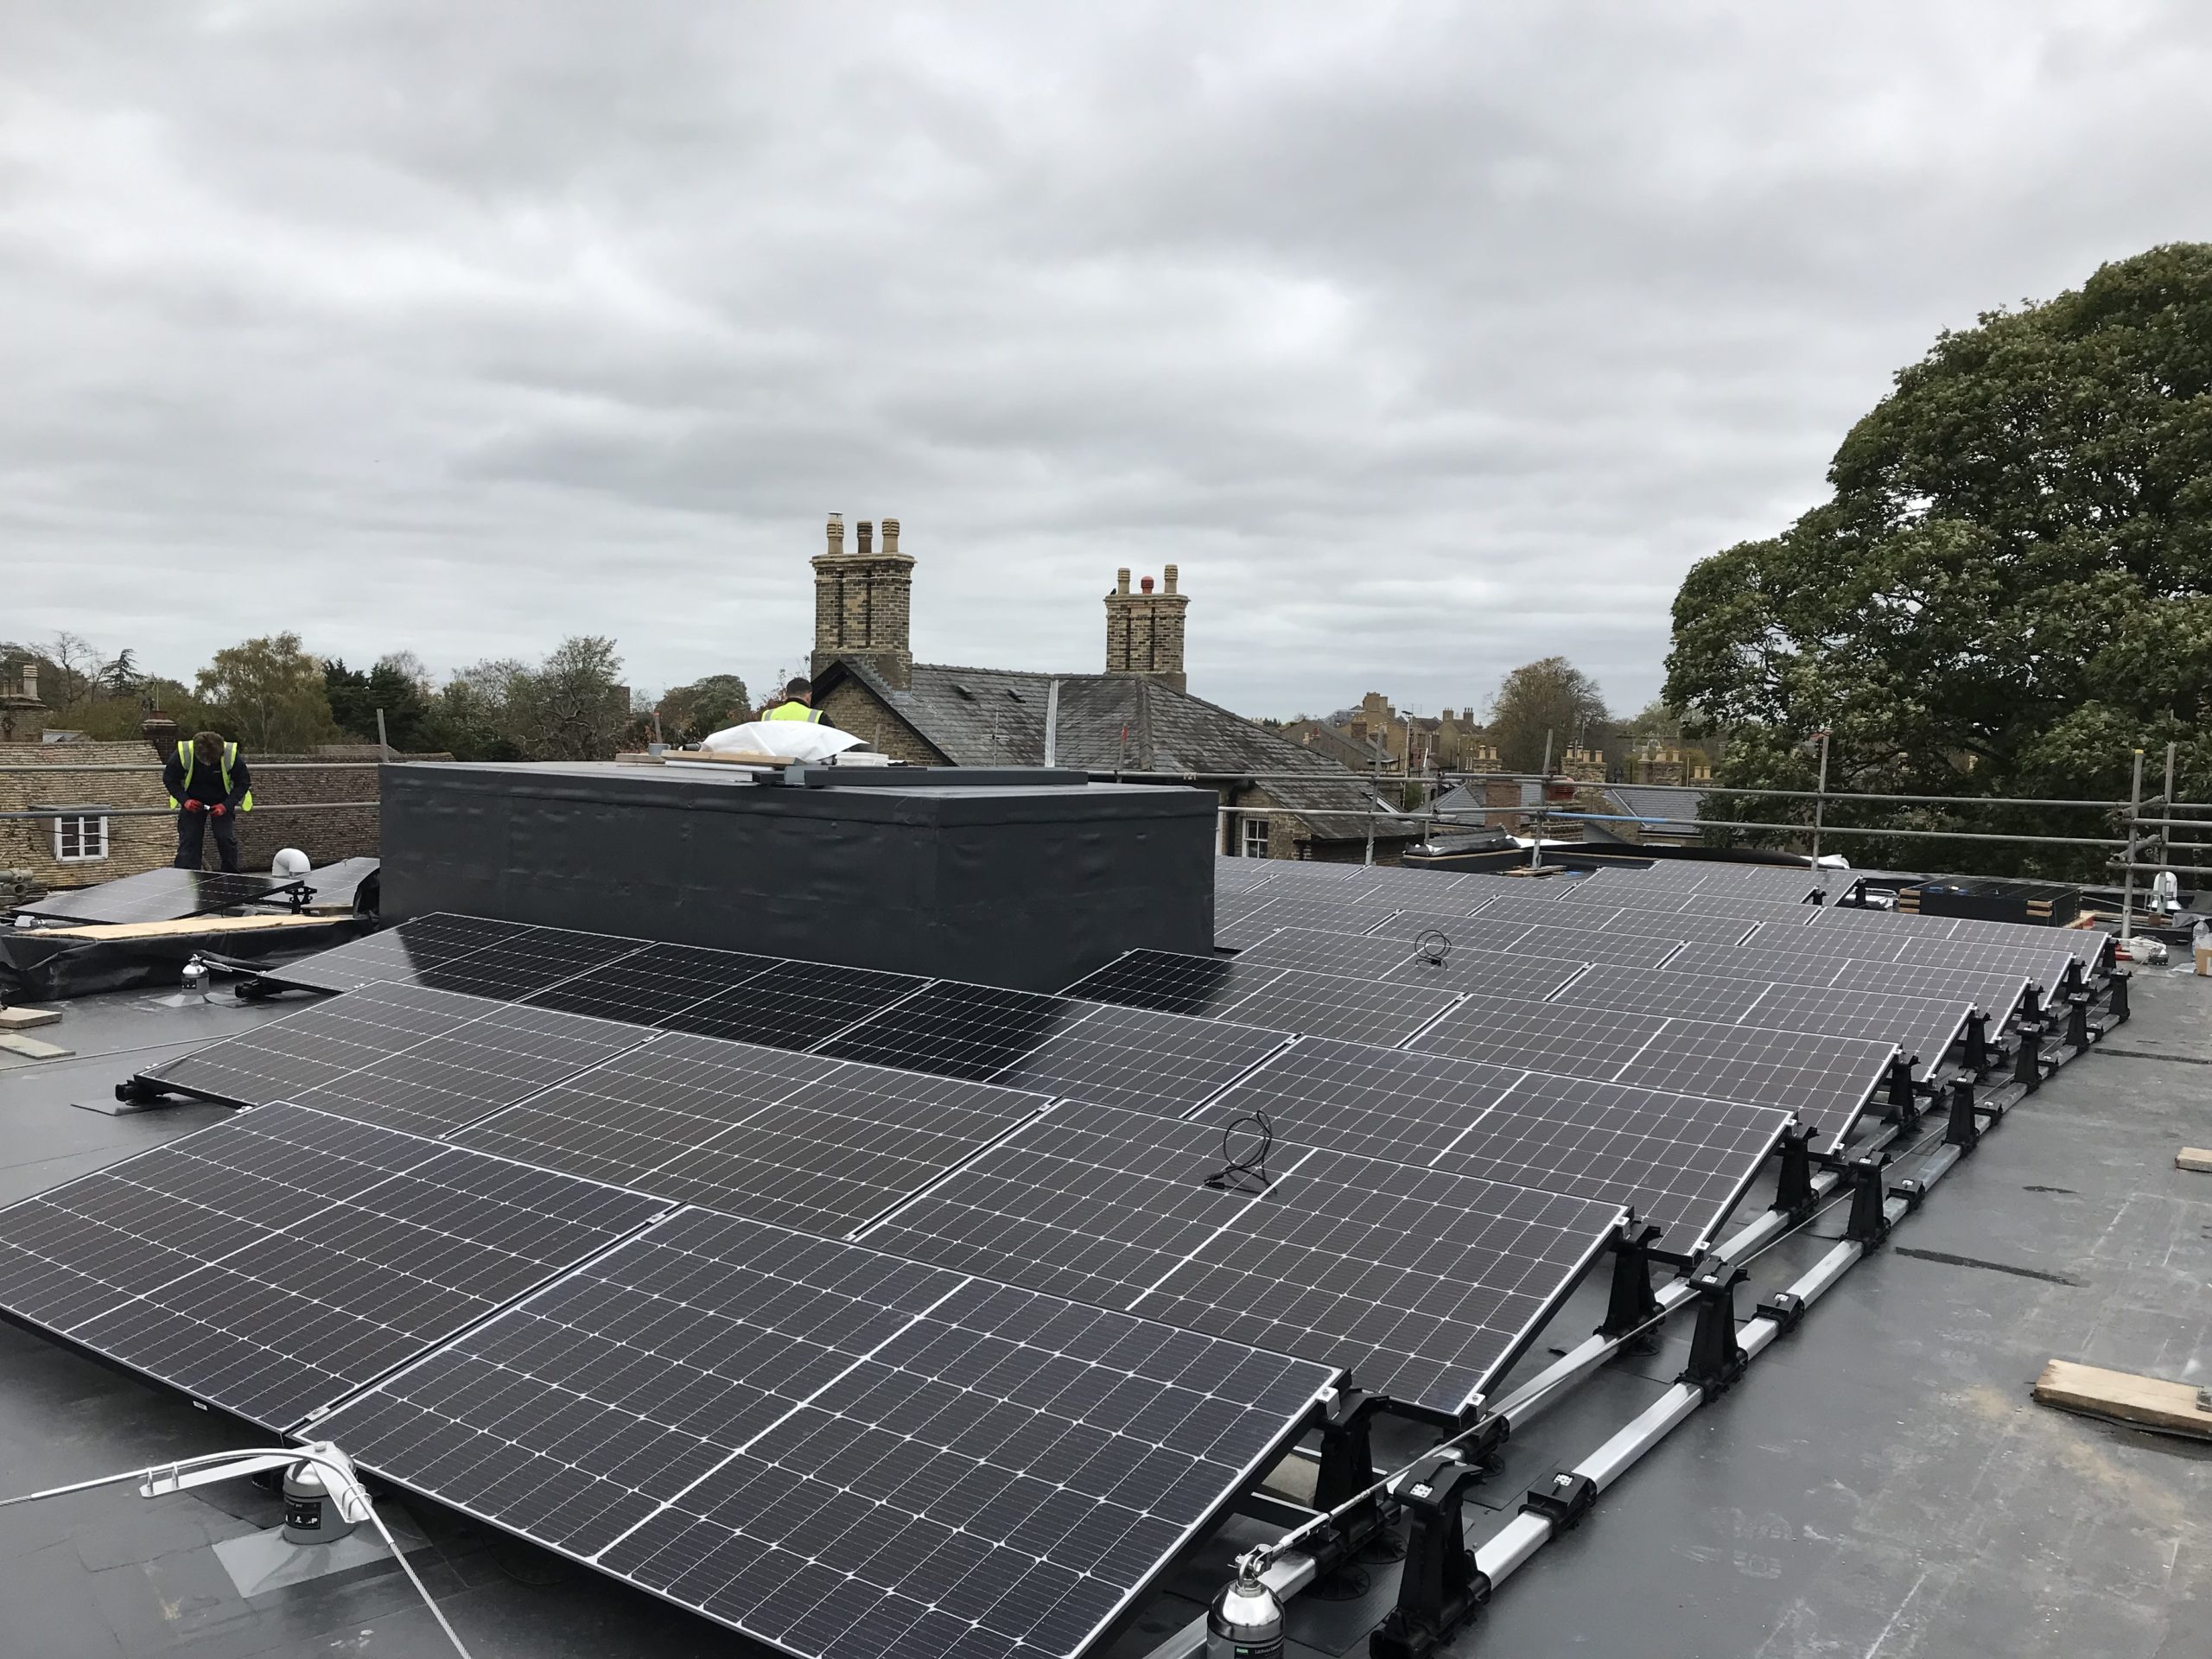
point(1144, 630)
point(862, 602)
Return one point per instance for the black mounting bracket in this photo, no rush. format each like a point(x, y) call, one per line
point(1914, 1194)
point(2116, 1001)
point(1440, 1588)
point(1563, 1500)
point(1964, 1129)
point(1905, 1096)
point(1717, 1359)
point(138, 1091)
point(2027, 1057)
point(1869, 1224)
point(1976, 1052)
point(2077, 1018)
point(1346, 1467)
point(1632, 1300)
point(1793, 1188)
point(1786, 1310)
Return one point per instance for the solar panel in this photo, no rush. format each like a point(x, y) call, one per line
point(1994, 993)
point(1376, 1103)
point(155, 896)
point(1173, 982)
point(399, 955)
point(1572, 943)
point(276, 1261)
point(317, 1045)
point(1232, 923)
point(1142, 1059)
point(799, 1140)
point(1920, 1026)
point(1828, 1080)
point(1680, 1161)
point(440, 1084)
point(1328, 1004)
point(837, 1453)
point(527, 961)
point(794, 1005)
point(1326, 953)
point(1404, 961)
point(653, 984)
point(955, 1030)
point(1425, 1285)
point(2047, 966)
point(1352, 918)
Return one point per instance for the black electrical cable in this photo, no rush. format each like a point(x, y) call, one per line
point(1235, 1168)
point(1433, 946)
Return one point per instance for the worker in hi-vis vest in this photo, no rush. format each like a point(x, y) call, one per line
point(798, 704)
point(208, 783)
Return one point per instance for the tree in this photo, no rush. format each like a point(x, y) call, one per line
point(1549, 696)
point(2009, 589)
point(688, 713)
point(268, 693)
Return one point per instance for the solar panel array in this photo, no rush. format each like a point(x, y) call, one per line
point(274, 1263)
point(870, 1313)
point(836, 1452)
point(157, 896)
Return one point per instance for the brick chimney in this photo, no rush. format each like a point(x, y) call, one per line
point(22, 716)
point(1144, 630)
point(861, 602)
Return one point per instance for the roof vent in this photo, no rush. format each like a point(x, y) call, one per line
point(963, 691)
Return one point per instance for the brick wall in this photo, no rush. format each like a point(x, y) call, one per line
point(1144, 632)
point(851, 707)
point(140, 844)
point(862, 602)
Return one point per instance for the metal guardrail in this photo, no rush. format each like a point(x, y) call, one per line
point(43, 767)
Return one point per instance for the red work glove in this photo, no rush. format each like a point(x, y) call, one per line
point(195, 806)
point(219, 808)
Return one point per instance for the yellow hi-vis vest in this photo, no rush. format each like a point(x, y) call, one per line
point(184, 754)
point(794, 710)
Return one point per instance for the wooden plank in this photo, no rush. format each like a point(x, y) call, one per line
point(182, 926)
point(24, 1019)
point(2194, 1157)
point(2153, 1402)
point(726, 758)
point(30, 1048)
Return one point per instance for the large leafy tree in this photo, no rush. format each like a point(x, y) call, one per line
point(689, 713)
point(2010, 588)
point(269, 694)
point(1550, 698)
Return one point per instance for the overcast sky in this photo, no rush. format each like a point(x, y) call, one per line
point(1427, 339)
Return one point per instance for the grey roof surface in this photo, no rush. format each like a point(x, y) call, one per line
point(1660, 806)
point(1120, 722)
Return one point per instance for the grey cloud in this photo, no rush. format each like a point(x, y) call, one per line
point(1426, 339)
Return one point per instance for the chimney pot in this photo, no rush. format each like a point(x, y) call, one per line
point(837, 530)
point(890, 536)
point(1169, 573)
point(1121, 580)
point(866, 536)
point(1146, 584)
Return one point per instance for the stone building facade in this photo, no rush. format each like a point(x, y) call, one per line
point(1144, 630)
point(863, 602)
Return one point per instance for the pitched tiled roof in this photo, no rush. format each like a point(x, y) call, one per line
point(1117, 722)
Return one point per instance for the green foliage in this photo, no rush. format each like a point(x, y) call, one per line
point(571, 707)
point(688, 713)
point(268, 693)
point(397, 686)
point(1549, 696)
point(2009, 590)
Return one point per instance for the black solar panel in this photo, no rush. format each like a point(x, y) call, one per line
point(799, 1140)
point(1425, 1285)
point(155, 896)
point(794, 1005)
point(1326, 953)
point(529, 960)
point(273, 1263)
point(1143, 1059)
point(1824, 1080)
point(1172, 983)
point(1330, 1005)
point(1994, 993)
point(1573, 943)
point(317, 1045)
point(955, 1030)
point(1376, 1103)
point(399, 955)
point(837, 1453)
point(1354, 917)
point(440, 1084)
point(1678, 1161)
point(653, 984)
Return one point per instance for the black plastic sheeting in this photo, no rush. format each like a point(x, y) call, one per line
point(990, 878)
point(43, 965)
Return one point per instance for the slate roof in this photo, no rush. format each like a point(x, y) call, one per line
point(1663, 807)
point(1118, 722)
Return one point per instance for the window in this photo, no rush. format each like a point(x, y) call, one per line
point(1256, 837)
point(79, 838)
